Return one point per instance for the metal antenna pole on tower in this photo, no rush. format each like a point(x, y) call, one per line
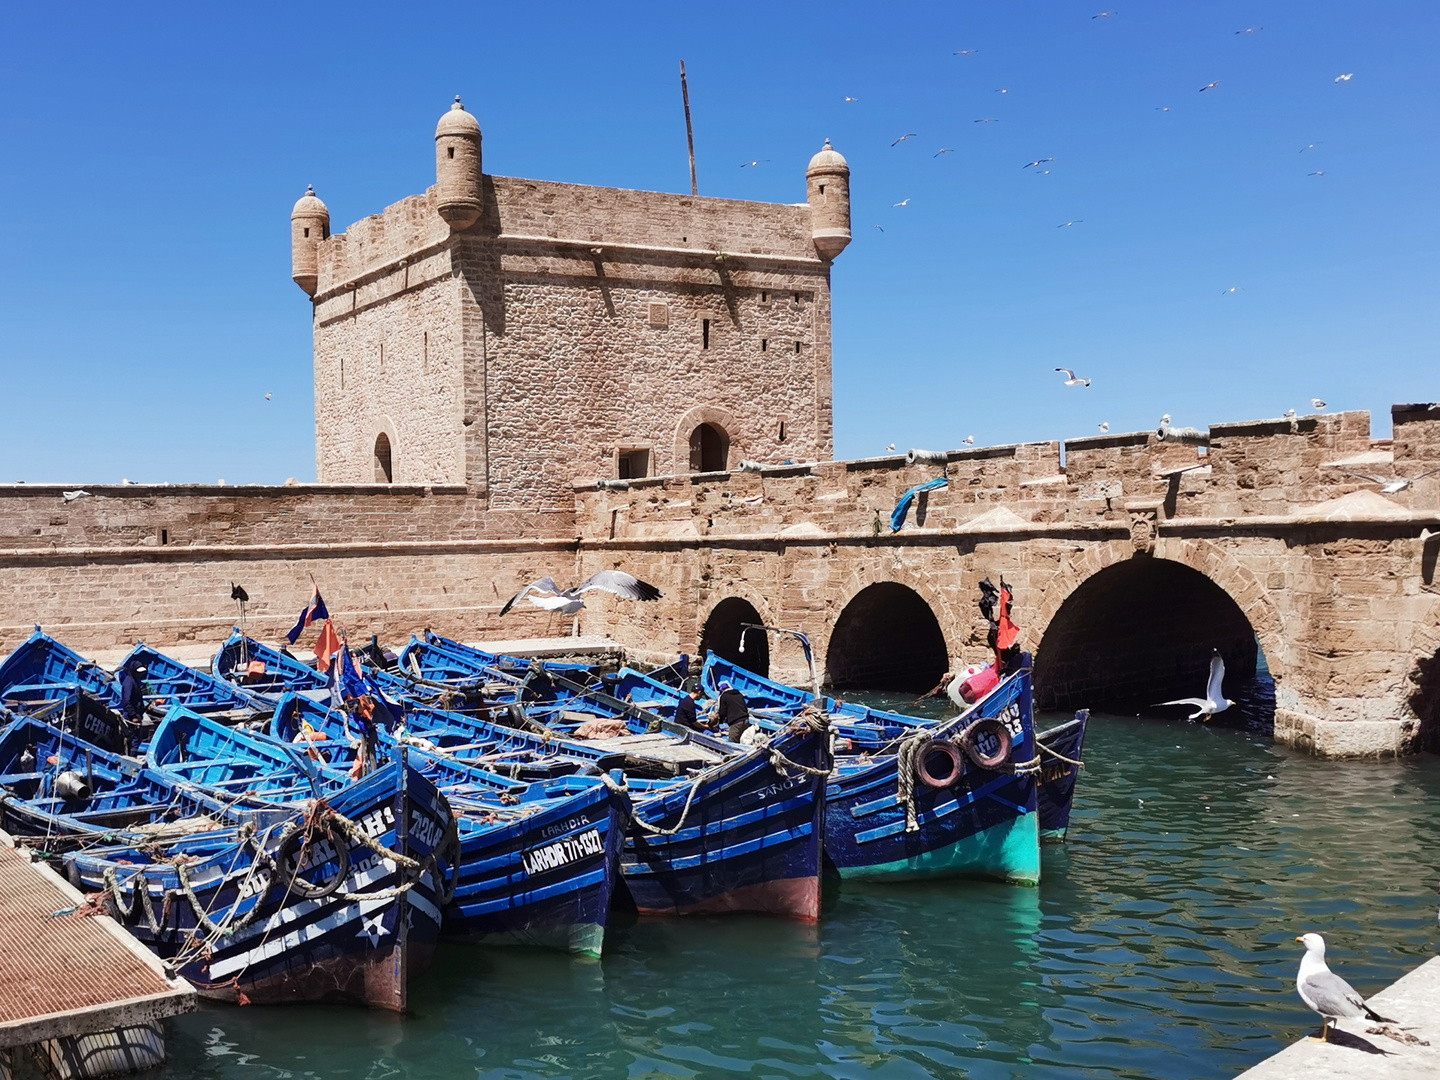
point(689, 130)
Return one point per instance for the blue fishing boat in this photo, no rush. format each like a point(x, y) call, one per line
point(245, 665)
point(58, 786)
point(537, 863)
point(1060, 747)
point(955, 799)
point(340, 903)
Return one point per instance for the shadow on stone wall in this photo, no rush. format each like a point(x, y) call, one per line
point(887, 638)
point(1142, 632)
point(1426, 702)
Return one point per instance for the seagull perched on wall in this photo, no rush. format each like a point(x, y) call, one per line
point(969, 440)
point(1316, 403)
point(1071, 379)
point(1214, 700)
point(1325, 992)
point(1104, 426)
point(546, 594)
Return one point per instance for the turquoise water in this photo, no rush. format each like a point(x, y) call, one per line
point(1158, 945)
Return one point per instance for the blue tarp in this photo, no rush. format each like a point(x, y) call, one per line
point(902, 508)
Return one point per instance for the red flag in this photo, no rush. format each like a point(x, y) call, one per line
point(1009, 632)
point(326, 647)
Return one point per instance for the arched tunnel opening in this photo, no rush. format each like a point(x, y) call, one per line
point(1425, 701)
point(887, 638)
point(1142, 632)
point(721, 635)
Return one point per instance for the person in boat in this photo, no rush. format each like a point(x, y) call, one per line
point(687, 713)
point(733, 711)
point(132, 692)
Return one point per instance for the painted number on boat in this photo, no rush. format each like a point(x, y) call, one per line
point(562, 852)
point(1011, 719)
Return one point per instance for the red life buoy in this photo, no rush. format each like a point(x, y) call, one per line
point(987, 742)
point(939, 766)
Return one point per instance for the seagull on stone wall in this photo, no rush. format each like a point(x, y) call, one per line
point(546, 594)
point(1214, 700)
point(1325, 992)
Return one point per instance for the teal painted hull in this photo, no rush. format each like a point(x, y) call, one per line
point(1007, 852)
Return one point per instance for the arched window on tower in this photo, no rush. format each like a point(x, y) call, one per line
point(384, 473)
point(709, 449)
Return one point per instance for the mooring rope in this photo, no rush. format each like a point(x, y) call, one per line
point(1056, 754)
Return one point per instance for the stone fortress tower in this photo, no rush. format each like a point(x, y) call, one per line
point(513, 335)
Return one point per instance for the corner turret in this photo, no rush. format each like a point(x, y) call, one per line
point(827, 182)
point(457, 167)
point(309, 224)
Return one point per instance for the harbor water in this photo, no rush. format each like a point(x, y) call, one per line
point(1159, 945)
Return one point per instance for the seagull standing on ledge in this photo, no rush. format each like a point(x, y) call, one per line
point(1325, 992)
point(1214, 700)
point(546, 594)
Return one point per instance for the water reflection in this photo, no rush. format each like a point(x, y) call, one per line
point(1159, 944)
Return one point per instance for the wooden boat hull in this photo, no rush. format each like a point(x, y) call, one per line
point(751, 840)
point(546, 880)
point(1059, 777)
point(329, 949)
point(985, 824)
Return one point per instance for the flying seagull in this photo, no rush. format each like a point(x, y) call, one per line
point(1345, 78)
point(1250, 30)
point(71, 496)
point(1318, 172)
point(890, 449)
point(1104, 426)
point(1005, 91)
point(1162, 108)
point(1103, 15)
point(902, 138)
point(1214, 700)
point(1069, 225)
point(546, 594)
point(903, 202)
point(987, 120)
point(1308, 146)
point(748, 164)
point(852, 99)
point(1210, 86)
point(1037, 161)
point(881, 228)
point(1392, 487)
point(943, 150)
point(967, 52)
point(1231, 289)
point(1325, 992)
point(267, 397)
point(1071, 379)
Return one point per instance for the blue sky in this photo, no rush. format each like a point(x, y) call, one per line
point(152, 156)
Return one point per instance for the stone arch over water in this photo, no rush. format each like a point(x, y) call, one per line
point(1142, 630)
point(722, 630)
point(886, 638)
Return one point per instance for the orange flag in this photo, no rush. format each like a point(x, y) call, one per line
point(326, 647)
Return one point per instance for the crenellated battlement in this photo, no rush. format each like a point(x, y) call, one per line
point(1272, 469)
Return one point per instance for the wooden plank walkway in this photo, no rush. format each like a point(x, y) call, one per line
point(1365, 1049)
point(62, 973)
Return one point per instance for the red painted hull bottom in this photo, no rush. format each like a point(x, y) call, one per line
point(794, 898)
point(377, 980)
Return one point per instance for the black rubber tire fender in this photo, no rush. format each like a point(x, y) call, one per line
point(288, 852)
point(987, 743)
point(945, 750)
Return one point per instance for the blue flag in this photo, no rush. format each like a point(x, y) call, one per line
point(315, 611)
point(902, 508)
